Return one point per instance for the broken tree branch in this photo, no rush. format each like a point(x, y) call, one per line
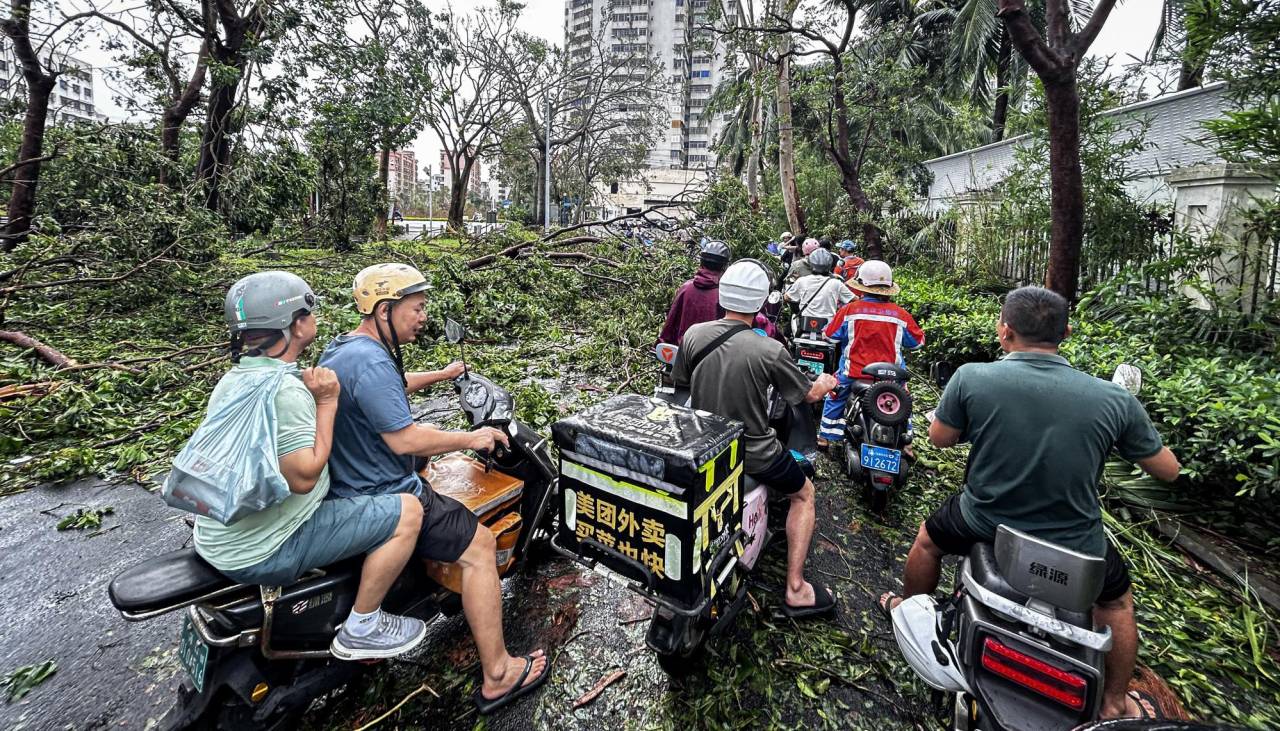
point(47, 353)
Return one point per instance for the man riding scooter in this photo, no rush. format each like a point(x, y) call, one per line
point(272, 324)
point(698, 299)
point(1040, 432)
point(729, 369)
point(377, 448)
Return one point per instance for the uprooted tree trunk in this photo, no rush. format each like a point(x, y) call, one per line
point(40, 83)
point(787, 151)
point(1055, 59)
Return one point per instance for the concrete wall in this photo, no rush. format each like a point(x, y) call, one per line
point(1173, 132)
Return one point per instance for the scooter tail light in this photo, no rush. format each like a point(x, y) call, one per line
point(1035, 675)
point(883, 480)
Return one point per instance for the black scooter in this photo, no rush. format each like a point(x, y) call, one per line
point(257, 656)
point(876, 420)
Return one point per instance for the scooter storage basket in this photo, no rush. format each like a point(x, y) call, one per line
point(652, 491)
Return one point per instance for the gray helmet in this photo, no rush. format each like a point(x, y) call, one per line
point(266, 301)
point(715, 255)
point(822, 261)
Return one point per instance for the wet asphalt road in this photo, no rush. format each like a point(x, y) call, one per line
point(111, 673)
point(116, 674)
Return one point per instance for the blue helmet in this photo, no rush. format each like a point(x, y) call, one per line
point(847, 245)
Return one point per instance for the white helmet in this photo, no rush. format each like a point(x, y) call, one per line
point(744, 287)
point(915, 627)
point(786, 236)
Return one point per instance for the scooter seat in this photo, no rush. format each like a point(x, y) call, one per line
point(168, 581)
point(982, 564)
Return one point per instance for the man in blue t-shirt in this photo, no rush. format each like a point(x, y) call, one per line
point(1040, 432)
point(377, 445)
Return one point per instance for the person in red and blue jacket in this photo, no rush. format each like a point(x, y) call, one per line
point(868, 330)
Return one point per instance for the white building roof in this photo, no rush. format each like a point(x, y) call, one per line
point(1174, 133)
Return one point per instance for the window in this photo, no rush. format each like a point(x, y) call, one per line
point(697, 145)
point(63, 84)
point(675, 154)
point(613, 188)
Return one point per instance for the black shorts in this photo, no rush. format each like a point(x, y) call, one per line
point(783, 475)
point(448, 527)
point(950, 533)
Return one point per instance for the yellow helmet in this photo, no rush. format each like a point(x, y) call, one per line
point(381, 282)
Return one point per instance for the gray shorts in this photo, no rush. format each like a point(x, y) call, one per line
point(340, 528)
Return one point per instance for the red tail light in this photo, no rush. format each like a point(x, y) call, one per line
point(883, 480)
point(1066, 688)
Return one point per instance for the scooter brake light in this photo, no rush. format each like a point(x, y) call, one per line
point(1035, 675)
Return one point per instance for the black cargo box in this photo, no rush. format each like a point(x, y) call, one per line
point(651, 490)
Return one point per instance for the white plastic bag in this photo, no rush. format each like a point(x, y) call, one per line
point(229, 469)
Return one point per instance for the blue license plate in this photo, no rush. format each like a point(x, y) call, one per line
point(814, 367)
point(193, 654)
point(881, 459)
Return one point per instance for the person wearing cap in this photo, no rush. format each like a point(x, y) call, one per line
point(800, 266)
point(270, 316)
point(849, 260)
point(697, 300)
point(868, 330)
point(729, 369)
point(819, 294)
point(378, 446)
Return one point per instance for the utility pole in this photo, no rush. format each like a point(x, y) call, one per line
point(546, 178)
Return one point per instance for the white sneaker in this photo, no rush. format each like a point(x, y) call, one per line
point(395, 635)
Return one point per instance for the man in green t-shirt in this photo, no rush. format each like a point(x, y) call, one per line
point(271, 322)
point(1040, 432)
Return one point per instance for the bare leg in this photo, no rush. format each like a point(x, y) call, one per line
point(800, 520)
point(924, 566)
point(383, 564)
point(482, 605)
point(1118, 615)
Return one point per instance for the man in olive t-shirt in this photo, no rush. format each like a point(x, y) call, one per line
point(734, 369)
point(1040, 432)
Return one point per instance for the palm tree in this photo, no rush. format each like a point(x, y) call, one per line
point(980, 57)
point(1171, 39)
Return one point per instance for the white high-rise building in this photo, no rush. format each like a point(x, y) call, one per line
point(73, 98)
point(666, 30)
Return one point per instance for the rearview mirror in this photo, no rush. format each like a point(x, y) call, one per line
point(453, 330)
point(775, 297)
point(941, 372)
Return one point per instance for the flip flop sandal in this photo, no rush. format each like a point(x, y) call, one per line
point(489, 705)
point(1148, 706)
point(884, 603)
point(823, 603)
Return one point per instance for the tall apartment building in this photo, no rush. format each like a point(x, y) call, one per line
point(666, 30)
point(402, 174)
point(446, 170)
point(73, 98)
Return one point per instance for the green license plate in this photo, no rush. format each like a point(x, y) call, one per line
point(193, 653)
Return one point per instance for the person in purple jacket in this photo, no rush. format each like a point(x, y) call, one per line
point(698, 300)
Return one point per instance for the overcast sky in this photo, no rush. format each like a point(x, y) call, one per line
point(1125, 37)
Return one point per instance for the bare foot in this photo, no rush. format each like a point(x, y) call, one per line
point(497, 687)
point(888, 601)
point(1132, 706)
point(803, 597)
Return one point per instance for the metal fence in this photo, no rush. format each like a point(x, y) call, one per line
point(980, 248)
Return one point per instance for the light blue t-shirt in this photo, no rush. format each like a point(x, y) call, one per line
point(372, 403)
